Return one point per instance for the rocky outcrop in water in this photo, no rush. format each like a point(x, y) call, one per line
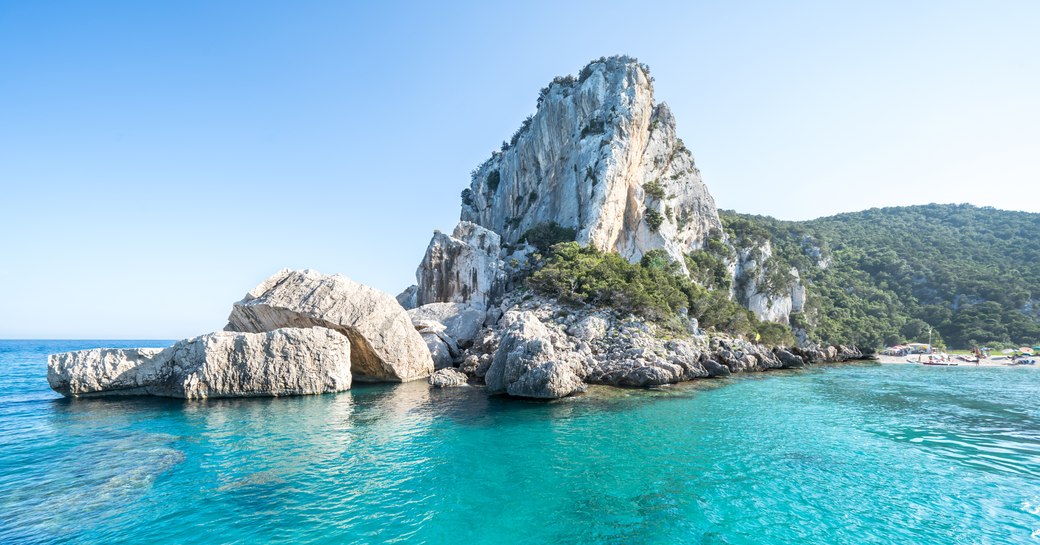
point(223, 364)
point(527, 364)
point(570, 346)
point(447, 378)
point(598, 162)
point(384, 343)
point(601, 157)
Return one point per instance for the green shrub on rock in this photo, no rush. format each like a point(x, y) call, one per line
point(654, 189)
point(774, 334)
point(585, 275)
point(493, 179)
point(654, 289)
point(653, 218)
point(548, 233)
point(709, 269)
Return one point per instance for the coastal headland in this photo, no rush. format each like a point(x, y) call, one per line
point(589, 251)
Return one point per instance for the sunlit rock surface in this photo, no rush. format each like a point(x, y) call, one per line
point(384, 344)
point(222, 364)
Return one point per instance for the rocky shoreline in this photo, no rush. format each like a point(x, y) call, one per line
point(542, 349)
point(599, 164)
point(298, 332)
point(301, 332)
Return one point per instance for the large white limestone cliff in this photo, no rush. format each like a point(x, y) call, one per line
point(599, 156)
point(462, 268)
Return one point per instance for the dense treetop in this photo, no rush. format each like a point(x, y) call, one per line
point(966, 275)
point(884, 276)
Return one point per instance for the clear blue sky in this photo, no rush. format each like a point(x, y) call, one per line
point(157, 160)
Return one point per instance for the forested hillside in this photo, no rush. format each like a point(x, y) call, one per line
point(885, 276)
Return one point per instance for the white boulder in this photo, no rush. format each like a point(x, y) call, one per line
point(222, 364)
point(384, 344)
point(460, 321)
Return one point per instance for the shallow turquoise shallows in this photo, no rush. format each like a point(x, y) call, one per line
point(841, 454)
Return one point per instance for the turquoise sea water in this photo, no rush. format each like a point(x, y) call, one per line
point(842, 454)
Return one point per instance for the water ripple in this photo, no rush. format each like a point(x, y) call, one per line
point(854, 454)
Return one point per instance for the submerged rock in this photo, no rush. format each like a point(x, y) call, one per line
point(384, 344)
point(446, 378)
point(222, 364)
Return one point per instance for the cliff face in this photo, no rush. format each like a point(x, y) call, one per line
point(601, 157)
point(285, 361)
point(771, 290)
point(462, 268)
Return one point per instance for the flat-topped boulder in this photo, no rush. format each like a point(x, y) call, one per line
point(384, 344)
point(223, 364)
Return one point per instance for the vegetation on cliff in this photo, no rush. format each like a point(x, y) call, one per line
point(968, 275)
point(544, 235)
point(885, 276)
point(868, 279)
point(654, 288)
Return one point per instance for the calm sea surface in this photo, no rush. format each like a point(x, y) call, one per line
point(845, 454)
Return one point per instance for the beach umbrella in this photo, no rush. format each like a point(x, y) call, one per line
point(1025, 349)
point(1007, 351)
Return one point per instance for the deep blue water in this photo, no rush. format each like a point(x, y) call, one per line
point(842, 454)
